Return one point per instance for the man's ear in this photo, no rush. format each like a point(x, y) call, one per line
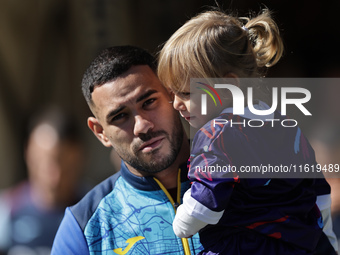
point(98, 131)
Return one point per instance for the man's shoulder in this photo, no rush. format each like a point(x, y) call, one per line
point(85, 208)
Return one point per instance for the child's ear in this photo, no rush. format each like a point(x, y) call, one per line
point(98, 131)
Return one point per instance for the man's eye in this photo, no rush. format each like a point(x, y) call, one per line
point(118, 116)
point(149, 101)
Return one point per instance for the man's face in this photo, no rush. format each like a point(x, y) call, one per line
point(134, 116)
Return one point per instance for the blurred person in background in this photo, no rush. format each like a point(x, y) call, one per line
point(31, 212)
point(325, 135)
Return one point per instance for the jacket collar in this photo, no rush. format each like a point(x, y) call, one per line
point(147, 183)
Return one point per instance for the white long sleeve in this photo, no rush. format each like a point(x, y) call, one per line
point(185, 225)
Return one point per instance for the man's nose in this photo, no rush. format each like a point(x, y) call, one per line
point(142, 125)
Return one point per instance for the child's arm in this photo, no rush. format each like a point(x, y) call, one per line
point(210, 192)
point(185, 225)
point(192, 216)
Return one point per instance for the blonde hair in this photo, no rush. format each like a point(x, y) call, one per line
point(214, 44)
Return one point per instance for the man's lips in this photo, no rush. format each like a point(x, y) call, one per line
point(151, 144)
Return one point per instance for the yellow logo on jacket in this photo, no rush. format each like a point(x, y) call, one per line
point(131, 242)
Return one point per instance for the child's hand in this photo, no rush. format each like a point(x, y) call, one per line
point(185, 225)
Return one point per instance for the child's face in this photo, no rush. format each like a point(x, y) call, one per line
point(188, 103)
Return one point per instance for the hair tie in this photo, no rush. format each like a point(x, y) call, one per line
point(245, 29)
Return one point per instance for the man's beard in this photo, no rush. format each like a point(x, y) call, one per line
point(155, 164)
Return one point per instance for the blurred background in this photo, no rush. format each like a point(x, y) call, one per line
point(46, 45)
